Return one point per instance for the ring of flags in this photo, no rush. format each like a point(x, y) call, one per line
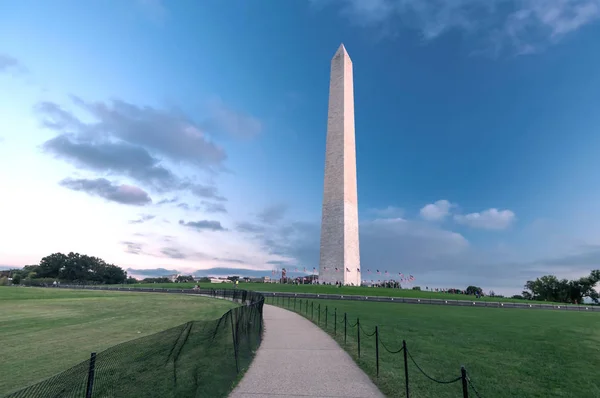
point(408, 279)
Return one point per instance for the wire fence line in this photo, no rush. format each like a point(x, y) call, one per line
point(326, 318)
point(443, 302)
point(198, 358)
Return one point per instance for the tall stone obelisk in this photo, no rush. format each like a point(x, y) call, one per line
point(340, 255)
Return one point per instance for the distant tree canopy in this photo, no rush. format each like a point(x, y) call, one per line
point(157, 280)
point(473, 290)
point(185, 278)
point(550, 288)
point(73, 267)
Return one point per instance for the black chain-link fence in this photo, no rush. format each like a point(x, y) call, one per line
point(196, 359)
point(328, 319)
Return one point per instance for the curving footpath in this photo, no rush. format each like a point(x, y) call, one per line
point(298, 359)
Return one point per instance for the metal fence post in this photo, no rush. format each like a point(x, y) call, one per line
point(237, 366)
point(306, 311)
point(312, 310)
point(358, 335)
point(405, 366)
point(319, 317)
point(294, 303)
point(345, 326)
point(91, 371)
point(335, 321)
point(289, 301)
point(377, 348)
point(326, 313)
point(465, 386)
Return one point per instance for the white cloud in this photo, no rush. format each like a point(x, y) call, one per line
point(436, 211)
point(522, 26)
point(487, 219)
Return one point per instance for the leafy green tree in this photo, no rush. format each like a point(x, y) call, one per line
point(185, 278)
point(550, 288)
point(156, 280)
point(50, 266)
point(473, 290)
point(76, 267)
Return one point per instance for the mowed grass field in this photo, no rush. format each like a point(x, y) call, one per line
point(46, 331)
point(324, 289)
point(507, 352)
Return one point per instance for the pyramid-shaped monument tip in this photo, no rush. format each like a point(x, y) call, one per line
point(342, 50)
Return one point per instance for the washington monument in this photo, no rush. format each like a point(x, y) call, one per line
point(340, 256)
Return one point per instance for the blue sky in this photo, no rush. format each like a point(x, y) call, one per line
point(190, 135)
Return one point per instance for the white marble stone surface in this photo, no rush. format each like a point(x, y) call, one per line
point(339, 222)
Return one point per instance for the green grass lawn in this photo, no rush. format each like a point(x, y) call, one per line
point(345, 290)
point(46, 331)
point(507, 352)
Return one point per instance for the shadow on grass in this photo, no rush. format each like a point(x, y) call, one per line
point(196, 359)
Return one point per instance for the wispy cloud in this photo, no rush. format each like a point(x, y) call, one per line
point(124, 194)
point(167, 201)
point(172, 252)
point(203, 225)
point(488, 219)
point(127, 140)
point(232, 122)
point(210, 207)
point(143, 218)
point(11, 64)
point(133, 247)
point(272, 214)
point(521, 26)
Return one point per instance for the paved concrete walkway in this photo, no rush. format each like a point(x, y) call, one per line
point(298, 359)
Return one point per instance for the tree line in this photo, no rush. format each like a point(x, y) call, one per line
point(71, 268)
point(84, 269)
point(550, 288)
